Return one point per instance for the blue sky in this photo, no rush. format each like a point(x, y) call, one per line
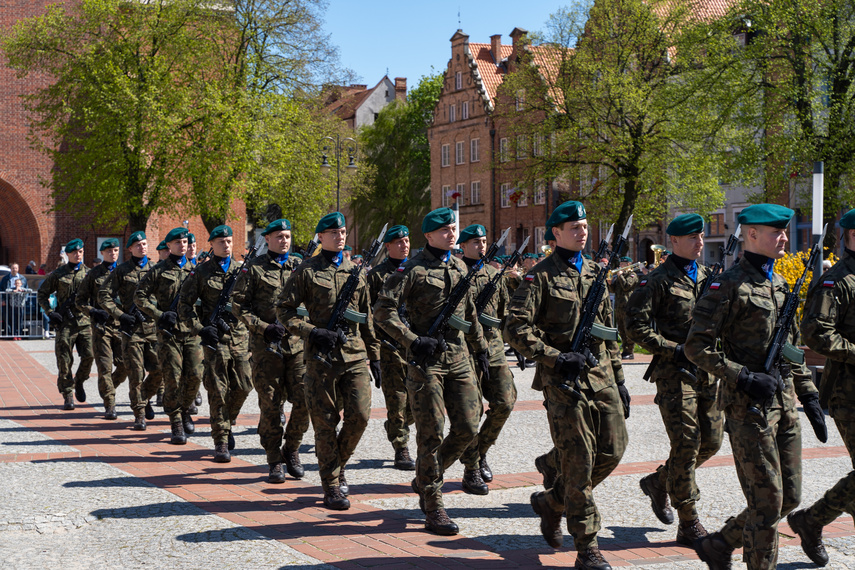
point(409, 37)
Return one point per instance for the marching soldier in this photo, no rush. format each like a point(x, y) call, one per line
point(589, 432)
point(278, 366)
point(734, 323)
point(447, 382)
point(162, 251)
point(399, 413)
point(335, 370)
point(116, 296)
point(70, 323)
point(499, 389)
point(623, 285)
point(192, 250)
point(227, 374)
point(828, 328)
point(658, 317)
point(106, 339)
point(179, 351)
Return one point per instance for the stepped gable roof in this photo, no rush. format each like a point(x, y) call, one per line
point(488, 72)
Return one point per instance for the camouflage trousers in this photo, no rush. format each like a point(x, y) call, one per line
point(501, 394)
point(277, 379)
point(140, 356)
point(769, 465)
point(69, 337)
point(181, 365)
point(107, 346)
point(228, 382)
point(347, 387)
point(590, 436)
point(841, 497)
point(627, 346)
point(695, 428)
point(446, 387)
point(399, 413)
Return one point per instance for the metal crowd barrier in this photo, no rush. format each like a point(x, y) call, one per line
point(20, 315)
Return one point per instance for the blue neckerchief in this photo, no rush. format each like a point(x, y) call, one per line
point(143, 261)
point(182, 262)
point(193, 261)
point(112, 266)
point(282, 257)
point(226, 263)
point(769, 268)
point(447, 256)
point(692, 271)
point(577, 260)
point(77, 267)
point(339, 257)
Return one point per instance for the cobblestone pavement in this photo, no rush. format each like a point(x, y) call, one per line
point(80, 492)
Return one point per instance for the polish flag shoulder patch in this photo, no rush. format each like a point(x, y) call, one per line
point(715, 286)
point(828, 283)
point(401, 268)
point(529, 277)
point(643, 283)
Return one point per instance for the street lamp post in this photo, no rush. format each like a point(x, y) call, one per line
point(337, 146)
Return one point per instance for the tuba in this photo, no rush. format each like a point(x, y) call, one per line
point(657, 250)
point(546, 249)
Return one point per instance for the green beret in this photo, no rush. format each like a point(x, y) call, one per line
point(135, 237)
point(685, 225)
point(277, 226)
point(357, 256)
point(587, 256)
point(191, 238)
point(549, 236)
point(348, 248)
point(175, 233)
point(297, 255)
point(570, 211)
point(73, 245)
point(666, 252)
point(472, 232)
point(219, 232)
point(530, 256)
point(773, 215)
point(161, 246)
point(109, 243)
point(395, 232)
point(541, 255)
point(437, 219)
point(626, 259)
point(331, 221)
point(847, 222)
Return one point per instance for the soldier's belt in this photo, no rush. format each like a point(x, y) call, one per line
point(604, 333)
point(793, 354)
point(489, 321)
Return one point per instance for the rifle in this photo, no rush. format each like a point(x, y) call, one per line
point(174, 305)
point(228, 289)
point(301, 310)
point(342, 313)
point(779, 349)
point(446, 317)
point(64, 310)
point(140, 317)
point(587, 328)
point(717, 268)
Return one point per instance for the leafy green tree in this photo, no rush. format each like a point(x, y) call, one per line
point(394, 179)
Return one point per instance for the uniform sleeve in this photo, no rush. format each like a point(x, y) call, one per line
point(107, 295)
point(640, 314)
point(290, 299)
point(43, 296)
point(802, 376)
point(607, 317)
point(84, 293)
point(187, 303)
point(520, 329)
point(242, 302)
point(823, 315)
point(372, 343)
point(701, 346)
point(395, 291)
point(475, 337)
point(144, 297)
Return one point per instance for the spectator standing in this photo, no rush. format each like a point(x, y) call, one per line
point(30, 269)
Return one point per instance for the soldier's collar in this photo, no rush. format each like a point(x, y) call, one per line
point(441, 254)
point(395, 262)
point(140, 261)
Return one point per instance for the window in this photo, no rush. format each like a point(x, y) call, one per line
point(474, 155)
point(539, 236)
point(459, 153)
point(503, 150)
point(475, 195)
point(465, 111)
point(458, 81)
point(539, 192)
point(461, 191)
point(537, 145)
point(446, 196)
point(522, 147)
point(717, 225)
point(506, 195)
point(452, 113)
point(522, 197)
point(519, 100)
point(445, 158)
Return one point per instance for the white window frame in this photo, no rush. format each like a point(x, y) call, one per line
point(459, 152)
point(539, 236)
point(522, 147)
point(475, 192)
point(537, 145)
point(458, 81)
point(539, 192)
point(445, 152)
point(446, 199)
point(461, 189)
point(503, 150)
point(475, 150)
point(452, 113)
point(519, 100)
point(523, 201)
point(464, 112)
point(505, 193)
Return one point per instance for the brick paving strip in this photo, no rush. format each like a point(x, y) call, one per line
point(291, 513)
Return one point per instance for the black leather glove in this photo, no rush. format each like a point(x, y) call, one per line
point(374, 366)
point(483, 360)
point(128, 321)
point(680, 357)
point(424, 347)
point(222, 326)
point(167, 320)
point(55, 319)
point(210, 336)
point(759, 386)
point(139, 318)
point(520, 359)
point(324, 339)
point(813, 411)
point(624, 398)
point(274, 332)
point(570, 363)
point(99, 315)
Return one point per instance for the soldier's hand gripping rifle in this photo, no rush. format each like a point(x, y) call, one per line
point(342, 314)
point(64, 310)
point(214, 319)
point(446, 318)
point(301, 310)
point(127, 326)
point(780, 349)
point(587, 328)
point(726, 251)
point(173, 307)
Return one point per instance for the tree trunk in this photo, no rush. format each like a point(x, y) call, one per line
point(137, 221)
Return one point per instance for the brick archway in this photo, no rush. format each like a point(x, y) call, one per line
point(20, 239)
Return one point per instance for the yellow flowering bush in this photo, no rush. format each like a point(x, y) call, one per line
point(791, 266)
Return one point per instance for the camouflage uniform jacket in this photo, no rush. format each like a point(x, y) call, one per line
point(828, 328)
point(87, 294)
point(256, 294)
point(424, 283)
point(376, 278)
point(316, 284)
point(205, 283)
point(732, 327)
point(63, 282)
point(659, 312)
point(623, 285)
point(158, 288)
point(496, 307)
point(117, 293)
point(543, 316)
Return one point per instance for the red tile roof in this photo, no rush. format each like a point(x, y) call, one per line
point(491, 73)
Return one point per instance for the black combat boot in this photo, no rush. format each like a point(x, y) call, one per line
point(110, 413)
point(178, 437)
point(277, 474)
point(139, 420)
point(690, 531)
point(810, 535)
point(334, 499)
point(550, 520)
point(221, 453)
point(713, 550)
point(591, 559)
point(652, 487)
point(149, 411)
point(473, 483)
point(193, 410)
point(79, 391)
point(438, 522)
point(68, 401)
point(403, 461)
point(549, 474)
point(198, 400)
point(486, 472)
point(342, 482)
point(292, 462)
point(187, 420)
